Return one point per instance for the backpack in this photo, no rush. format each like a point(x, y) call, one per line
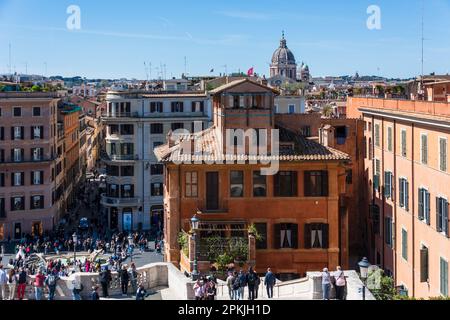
point(51, 280)
point(236, 284)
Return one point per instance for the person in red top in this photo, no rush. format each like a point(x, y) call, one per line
point(39, 285)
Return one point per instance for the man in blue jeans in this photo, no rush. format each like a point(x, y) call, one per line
point(269, 282)
point(326, 284)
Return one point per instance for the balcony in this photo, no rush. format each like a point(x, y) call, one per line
point(153, 115)
point(119, 157)
point(120, 202)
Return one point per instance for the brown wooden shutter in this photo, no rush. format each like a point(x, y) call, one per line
point(307, 236)
point(325, 236)
point(306, 184)
point(424, 265)
point(295, 183)
point(277, 236)
point(325, 190)
point(294, 230)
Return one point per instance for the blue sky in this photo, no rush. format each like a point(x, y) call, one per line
point(116, 37)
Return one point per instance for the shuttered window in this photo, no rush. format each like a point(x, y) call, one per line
point(404, 193)
point(388, 184)
point(376, 175)
point(377, 135)
point(444, 277)
point(442, 216)
point(443, 154)
point(424, 269)
point(424, 205)
point(403, 144)
point(317, 236)
point(388, 231)
point(424, 148)
point(316, 183)
point(405, 244)
point(389, 139)
point(286, 236)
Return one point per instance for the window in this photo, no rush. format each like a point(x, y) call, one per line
point(388, 187)
point(424, 148)
point(36, 111)
point(177, 126)
point(37, 154)
point(388, 231)
point(377, 135)
point(316, 236)
point(316, 183)
point(403, 143)
point(261, 243)
point(157, 144)
point(2, 133)
point(212, 190)
point(286, 236)
point(198, 106)
point(156, 128)
point(405, 244)
point(156, 107)
point(424, 265)
point(157, 169)
point(424, 205)
point(18, 179)
point(376, 175)
point(443, 154)
point(177, 107)
point(127, 171)
point(127, 191)
point(17, 133)
point(17, 203)
point(37, 202)
point(191, 184)
point(375, 213)
point(37, 132)
point(114, 129)
point(157, 189)
point(444, 277)
point(236, 184)
point(442, 216)
point(389, 139)
point(259, 185)
point(112, 190)
point(306, 131)
point(17, 155)
point(37, 178)
point(404, 193)
point(17, 111)
point(2, 179)
point(370, 149)
point(127, 149)
point(285, 184)
point(112, 171)
point(127, 129)
point(2, 208)
point(291, 109)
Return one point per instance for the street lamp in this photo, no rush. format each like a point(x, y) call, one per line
point(194, 225)
point(130, 245)
point(364, 265)
point(75, 241)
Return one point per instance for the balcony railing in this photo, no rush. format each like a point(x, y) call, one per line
point(120, 201)
point(30, 160)
point(107, 157)
point(139, 115)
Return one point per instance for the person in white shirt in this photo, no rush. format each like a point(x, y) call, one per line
point(12, 283)
point(3, 282)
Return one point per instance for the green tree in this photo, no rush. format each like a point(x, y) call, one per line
point(327, 111)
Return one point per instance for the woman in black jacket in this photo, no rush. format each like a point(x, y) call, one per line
point(124, 280)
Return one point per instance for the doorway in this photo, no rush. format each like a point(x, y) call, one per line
point(114, 219)
point(17, 231)
point(212, 191)
point(127, 220)
point(36, 229)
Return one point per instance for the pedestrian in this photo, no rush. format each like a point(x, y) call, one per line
point(21, 283)
point(251, 282)
point(242, 284)
point(94, 294)
point(50, 282)
point(269, 282)
point(211, 290)
point(141, 293)
point(133, 277)
point(326, 284)
point(230, 282)
point(39, 285)
point(340, 283)
point(198, 290)
point(77, 286)
point(3, 282)
point(124, 280)
point(12, 283)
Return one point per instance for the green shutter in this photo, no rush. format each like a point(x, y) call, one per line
point(406, 195)
point(428, 208)
point(421, 204)
point(424, 265)
point(444, 277)
point(405, 244)
point(402, 192)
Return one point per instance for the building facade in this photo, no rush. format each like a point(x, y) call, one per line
point(27, 160)
point(296, 211)
point(407, 178)
point(135, 124)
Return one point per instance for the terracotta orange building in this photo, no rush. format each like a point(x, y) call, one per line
point(296, 211)
point(407, 178)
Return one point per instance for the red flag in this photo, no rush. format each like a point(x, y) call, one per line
point(250, 72)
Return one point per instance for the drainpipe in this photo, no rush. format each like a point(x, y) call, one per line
point(413, 212)
point(143, 167)
point(394, 184)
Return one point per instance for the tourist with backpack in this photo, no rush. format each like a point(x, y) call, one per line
point(50, 282)
point(242, 284)
point(251, 282)
point(340, 283)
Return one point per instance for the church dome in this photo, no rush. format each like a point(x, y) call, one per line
point(283, 55)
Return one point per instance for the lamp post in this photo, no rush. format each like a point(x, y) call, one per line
point(194, 225)
point(364, 265)
point(130, 245)
point(75, 241)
